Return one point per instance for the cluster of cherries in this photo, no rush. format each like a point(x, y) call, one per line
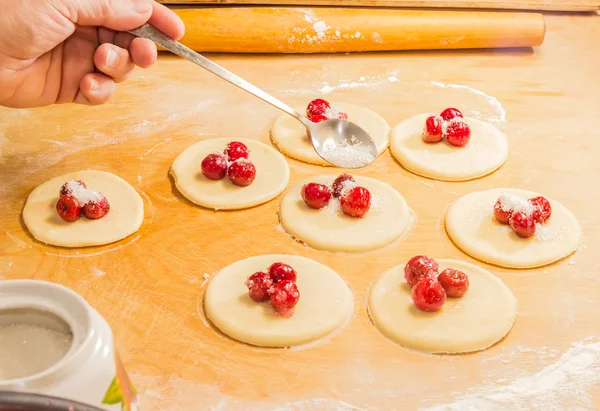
point(320, 110)
point(449, 124)
point(75, 199)
point(522, 214)
point(354, 200)
point(233, 162)
point(278, 286)
point(430, 287)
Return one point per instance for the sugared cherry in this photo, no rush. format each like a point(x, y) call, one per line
point(242, 173)
point(68, 208)
point(317, 118)
point(355, 202)
point(214, 166)
point(284, 297)
point(542, 209)
point(428, 294)
point(64, 190)
point(338, 184)
point(455, 282)
point(316, 195)
point(458, 133)
point(450, 113)
point(236, 150)
point(317, 107)
point(523, 224)
point(96, 209)
point(420, 267)
point(258, 285)
point(502, 215)
point(281, 272)
point(432, 133)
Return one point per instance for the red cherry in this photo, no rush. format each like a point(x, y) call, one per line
point(282, 272)
point(420, 267)
point(96, 209)
point(64, 190)
point(433, 130)
point(501, 214)
point(68, 208)
point(284, 297)
point(338, 184)
point(242, 173)
point(258, 285)
point(317, 118)
point(450, 113)
point(214, 166)
point(455, 282)
point(428, 294)
point(458, 133)
point(542, 211)
point(316, 195)
point(317, 107)
point(356, 201)
point(523, 224)
point(236, 150)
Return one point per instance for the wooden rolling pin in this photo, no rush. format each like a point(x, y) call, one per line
point(318, 30)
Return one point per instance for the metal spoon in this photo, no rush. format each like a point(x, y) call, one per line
point(339, 142)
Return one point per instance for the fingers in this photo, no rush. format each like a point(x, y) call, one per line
point(167, 21)
point(114, 61)
point(143, 52)
point(95, 89)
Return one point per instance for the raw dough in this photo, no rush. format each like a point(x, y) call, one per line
point(272, 176)
point(290, 136)
point(124, 218)
point(485, 152)
point(329, 229)
point(476, 321)
point(325, 304)
point(471, 225)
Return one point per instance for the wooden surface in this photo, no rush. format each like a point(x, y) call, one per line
point(149, 287)
point(298, 30)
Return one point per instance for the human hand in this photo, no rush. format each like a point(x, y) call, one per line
point(63, 51)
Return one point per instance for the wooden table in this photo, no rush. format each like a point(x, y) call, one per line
point(150, 286)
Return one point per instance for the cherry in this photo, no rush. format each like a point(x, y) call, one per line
point(458, 133)
point(420, 267)
point(433, 130)
point(282, 272)
point(428, 294)
point(68, 208)
point(96, 209)
point(450, 113)
point(258, 285)
point(65, 189)
point(316, 195)
point(523, 224)
point(317, 118)
point(317, 107)
point(338, 184)
point(356, 201)
point(542, 211)
point(455, 282)
point(284, 297)
point(500, 213)
point(236, 150)
point(214, 166)
point(242, 173)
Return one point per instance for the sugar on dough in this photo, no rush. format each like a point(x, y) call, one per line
point(272, 176)
point(485, 152)
point(325, 305)
point(291, 138)
point(473, 322)
point(329, 229)
point(124, 218)
point(471, 225)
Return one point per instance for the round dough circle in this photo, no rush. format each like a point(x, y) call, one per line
point(471, 225)
point(486, 151)
point(124, 218)
point(329, 229)
point(474, 322)
point(326, 303)
point(272, 176)
point(291, 138)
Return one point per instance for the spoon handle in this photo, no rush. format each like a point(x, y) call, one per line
point(148, 32)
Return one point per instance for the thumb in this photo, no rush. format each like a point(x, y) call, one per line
point(120, 15)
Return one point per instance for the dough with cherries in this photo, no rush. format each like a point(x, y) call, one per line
point(471, 225)
point(290, 135)
point(325, 305)
point(272, 176)
point(485, 152)
point(473, 322)
point(124, 218)
point(388, 219)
